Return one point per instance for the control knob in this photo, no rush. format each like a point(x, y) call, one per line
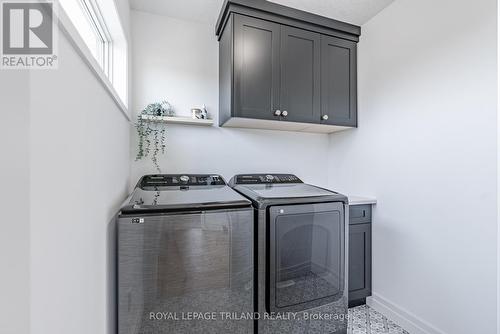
point(269, 177)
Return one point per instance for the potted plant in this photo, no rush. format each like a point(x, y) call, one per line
point(151, 134)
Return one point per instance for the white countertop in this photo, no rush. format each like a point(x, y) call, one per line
point(358, 200)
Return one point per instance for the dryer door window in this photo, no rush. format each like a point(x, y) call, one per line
point(306, 256)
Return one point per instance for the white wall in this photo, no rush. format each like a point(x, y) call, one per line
point(498, 171)
point(426, 148)
point(177, 60)
point(62, 138)
point(79, 174)
point(123, 9)
point(14, 178)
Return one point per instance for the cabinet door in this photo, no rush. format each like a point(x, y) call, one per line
point(338, 82)
point(360, 239)
point(256, 68)
point(300, 75)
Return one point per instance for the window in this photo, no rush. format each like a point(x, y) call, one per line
point(99, 26)
point(99, 42)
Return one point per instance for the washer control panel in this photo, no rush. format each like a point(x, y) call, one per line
point(266, 178)
point(169, 180)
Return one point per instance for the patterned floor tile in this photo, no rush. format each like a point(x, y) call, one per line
point(365, 320)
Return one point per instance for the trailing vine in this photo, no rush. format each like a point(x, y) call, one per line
point(152, 135)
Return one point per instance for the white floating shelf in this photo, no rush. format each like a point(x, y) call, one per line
point(178, 120)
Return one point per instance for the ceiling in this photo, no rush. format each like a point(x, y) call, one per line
point(197, 10)
point(353, 11)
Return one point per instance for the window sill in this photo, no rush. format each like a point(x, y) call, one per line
point(70, 31)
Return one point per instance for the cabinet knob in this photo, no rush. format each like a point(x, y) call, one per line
point(324, 117)
point(284, 113)
point(277, 113)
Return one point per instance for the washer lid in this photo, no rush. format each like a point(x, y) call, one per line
point(192, 195)
point(269, 191)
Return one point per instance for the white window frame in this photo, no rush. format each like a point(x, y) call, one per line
point(105, 45)
point(111, 65)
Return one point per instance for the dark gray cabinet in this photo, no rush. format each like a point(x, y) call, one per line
point(286, 69)
point(256, 67)
point(360, 238)
point(338, 82)
point(300, 75)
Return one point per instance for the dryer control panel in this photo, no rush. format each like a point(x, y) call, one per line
point(172, 180)
point(266, 178)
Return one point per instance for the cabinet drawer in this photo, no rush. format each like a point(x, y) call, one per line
point(360, 214)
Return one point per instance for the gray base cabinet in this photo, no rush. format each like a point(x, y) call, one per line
point(282, 65)
point(360, 245)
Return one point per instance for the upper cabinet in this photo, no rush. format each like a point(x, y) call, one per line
point(300, 75)
point(338, 82)
point(280, 68)
point(256, 68)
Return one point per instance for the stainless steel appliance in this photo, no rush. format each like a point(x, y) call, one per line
point(301, 254)
point(185, 257)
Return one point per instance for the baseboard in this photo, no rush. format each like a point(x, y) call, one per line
point(405, 319)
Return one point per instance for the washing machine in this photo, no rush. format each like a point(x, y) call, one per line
point(301, 252)
point(185, 257)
